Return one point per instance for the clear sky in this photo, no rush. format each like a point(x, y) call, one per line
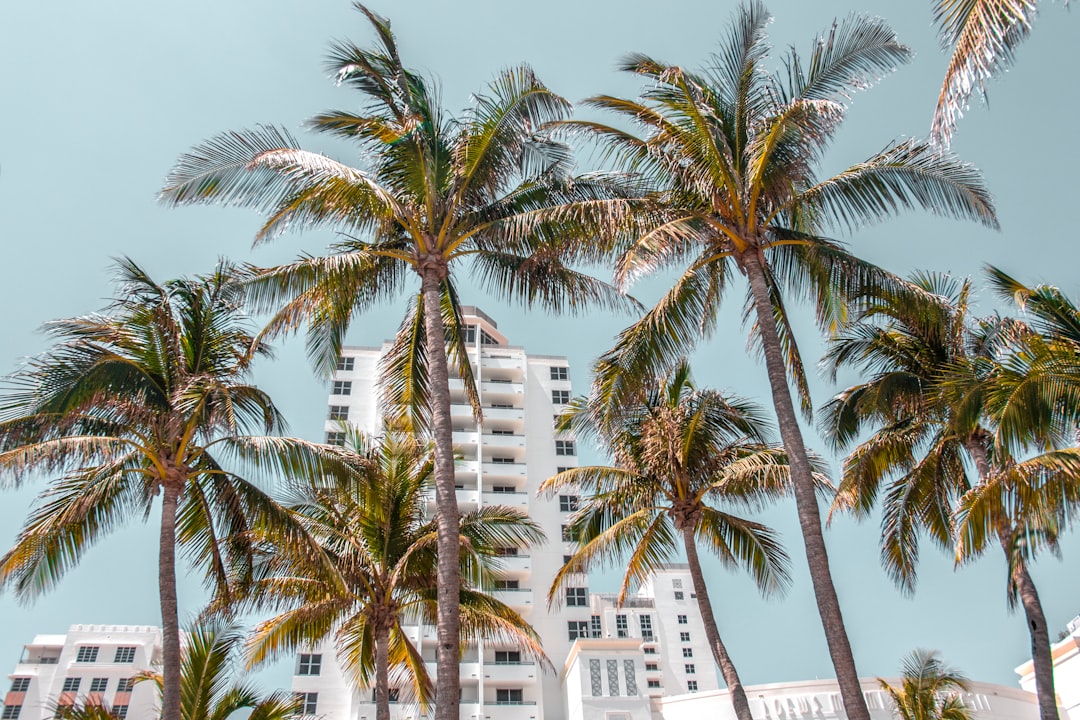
point(99, 99)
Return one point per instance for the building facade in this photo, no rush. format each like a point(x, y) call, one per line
point(91, 664)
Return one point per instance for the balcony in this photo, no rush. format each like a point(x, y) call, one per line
point(521, 599)
point(519, 500)
point(465, 438)
point(515, 673)
point(516, 414)
point(501, 386)
point(503, 361)
point(508, 470)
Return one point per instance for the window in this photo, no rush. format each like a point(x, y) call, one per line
point(20, 684)
point(562, 469)
point(691, 686)
point(649, 650)
point(72, 684)
point(621, 629)
point(688, 652)
point(684, 637)
point(339, 412)
point(335, 437)
point(565, 447)
point(497, 431)
point(595, 629)
point(682, 619)
point(506, 552)
point(341, 387)
point(507, 657)
point(689, 668)
point(577, 597)
point(560, 373)
point(12, 711)
point(345, 363)
point(486, 339)
point(309, 702)
point(577, 629)
point(99, 685)
point(125, 654)
point(507, 584)
point(469, 334)
point(569, 503)
point(502, 460)
point(310, 664)
point(566, 559)
point(87, 653)
point(567, 534)
point(509, 696)
point(654, 684)
point(560, 397)
point(652, 667)
point(501, 406)
point(120, 711)
point(502, 488)
point(676, 583)
point(392, 694)
point(645, 621)
point(678, 595)
point(125, 685)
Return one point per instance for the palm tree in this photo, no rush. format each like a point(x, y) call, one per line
point(934, 391)
point(983, 36)
point(145, 399)
point(376, 569)
point(433, 192)
point(680, 453)
point(929, 690)
point(209, 692)
point(731, 152)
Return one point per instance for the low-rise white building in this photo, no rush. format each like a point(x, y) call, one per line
point(1066, 654)
point(90, 664)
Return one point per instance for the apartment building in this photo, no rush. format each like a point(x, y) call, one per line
point(90, 664)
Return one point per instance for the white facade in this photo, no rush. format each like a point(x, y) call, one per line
point(1066, 655)
point(90, 664)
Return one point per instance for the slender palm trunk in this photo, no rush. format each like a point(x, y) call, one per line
point(448, 653)
point(170, 622)
point(382, 669)
point(712, 633)
point(1041, 655)
point(805, 501)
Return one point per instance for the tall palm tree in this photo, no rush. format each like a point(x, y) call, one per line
point(732, 153)
point(680, 454)
point(983, 36)
point(929, 690)
point(934, 389)
point(210, 691)
point(376, 569)
point(143, 400)
point(433, 191)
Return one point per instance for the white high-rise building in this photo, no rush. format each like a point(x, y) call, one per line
point(91, 664)
point(503, 460)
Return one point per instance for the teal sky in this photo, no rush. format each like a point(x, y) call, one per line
point(99, 99)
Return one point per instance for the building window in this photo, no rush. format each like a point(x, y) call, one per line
point(341, 387)
point(649, 650)
point(595, 629)
point(72, 684)
point(20, 684)
point(560, 373)
point(688, 652)
point(507, 657)
point(678, 595)
point(577, 597)
point(345, 364)
point(566, 534)
point(566, 559)
point(682, 619)
point(309, 702)
point(691, 686)
point(652, 667)
point(689, 668)
point(503, 489)
point(125, 654)
point(502, 460)
point(392, 694)
point(507, 584)
point(621, 628)
point(120, 711)
point(125, 685)
point(653, 684)
point(560, 397)
point(497, 431)
point(12, 712)
point(87, 654)
point(506, 552)
point(569, 503)
point(502, 406)
point(684, 637)
point(310, 664)
point(565, 447)
point(335, 437)
point(562, 469)
point(509, 696)
point(339, 412)
point(577, 629)
point(99, 685)
point(645, 621)
point(676, 583)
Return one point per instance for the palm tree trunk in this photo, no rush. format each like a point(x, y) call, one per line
point(170, 622)
point(448, 653)
point(720, 653)
point(382, 669)
point(817, 558)
point(1041, 655)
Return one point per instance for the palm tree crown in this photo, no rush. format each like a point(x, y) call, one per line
point(929, 690)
